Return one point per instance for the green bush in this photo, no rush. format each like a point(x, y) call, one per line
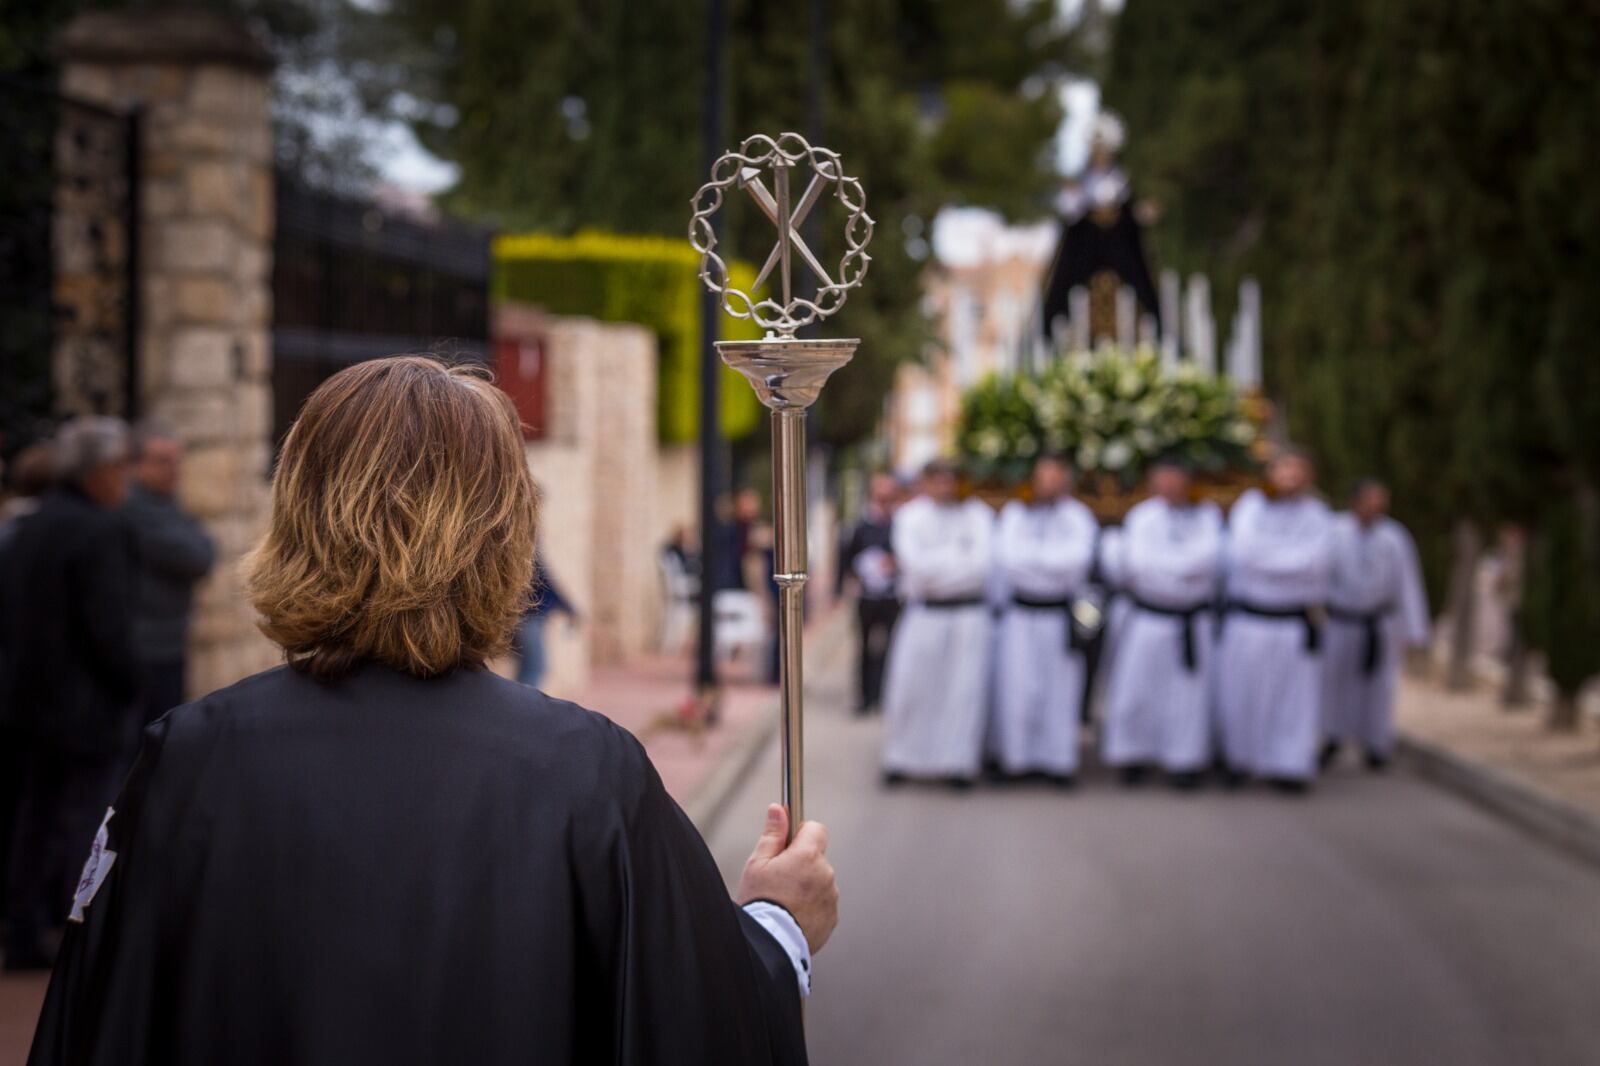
point(1110, 413)
point(652, 281)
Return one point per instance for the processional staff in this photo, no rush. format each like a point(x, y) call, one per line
point(787, 372)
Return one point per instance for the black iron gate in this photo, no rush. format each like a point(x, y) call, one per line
point(351, 281)
point(69, 258)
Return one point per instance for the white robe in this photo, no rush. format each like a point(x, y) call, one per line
point(1375, 571)
point(1268, 683)
point(1041, 553)
point(938, 667)
point(1157, 710)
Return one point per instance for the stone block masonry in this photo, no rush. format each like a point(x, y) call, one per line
point(610, 493)
point(206, 219)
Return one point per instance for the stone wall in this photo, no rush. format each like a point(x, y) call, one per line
point(677, 489)
point(206, 221)
point(611, 494)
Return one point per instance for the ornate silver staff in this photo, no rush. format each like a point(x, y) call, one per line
point(787, 372)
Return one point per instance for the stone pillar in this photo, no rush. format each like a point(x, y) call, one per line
point(206, 229)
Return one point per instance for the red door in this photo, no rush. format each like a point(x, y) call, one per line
point(519, 366)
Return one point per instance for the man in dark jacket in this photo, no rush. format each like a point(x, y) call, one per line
point(70, 674)
point(528, 643)
point(174, 553)
point(868, 561)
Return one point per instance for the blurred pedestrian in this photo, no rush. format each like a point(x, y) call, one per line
point(754, 549)
point(1269, 665)
point(1377, 608)
point(747, 515)
point(722, 550)
point(1043, 551)
point(173, 554)
point(385, 853)
point(868, 563)
point(758, 566)
point(26, 479)
point(680, 547)
point(528, 643)
point(70, 670)
point(938, 669)
point(1157, 700)
point(28, 476)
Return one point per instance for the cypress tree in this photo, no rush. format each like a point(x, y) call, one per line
point(1413, 181)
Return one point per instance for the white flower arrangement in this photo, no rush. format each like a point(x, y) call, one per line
point(1112, 413)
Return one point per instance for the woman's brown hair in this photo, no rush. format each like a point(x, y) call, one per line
point(402, 525)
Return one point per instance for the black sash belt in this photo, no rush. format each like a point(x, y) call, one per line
point(1371, 622)
point(953, 604)
point(1301, 614)
point(1037, 603)
point(1190, 661)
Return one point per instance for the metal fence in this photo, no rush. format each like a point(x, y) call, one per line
point(69, 259)
point(352, 282)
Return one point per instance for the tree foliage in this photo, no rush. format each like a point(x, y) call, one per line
point(570, 114)
point(343, 71)
point(1413, 181)
point(566, 114)
point(1558, 610)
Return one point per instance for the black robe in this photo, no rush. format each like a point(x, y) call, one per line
point(1086, 248)
point(389, 870)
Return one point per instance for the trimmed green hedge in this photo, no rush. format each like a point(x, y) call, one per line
point(652, 281)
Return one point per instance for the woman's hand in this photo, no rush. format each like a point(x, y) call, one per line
point(798, 877)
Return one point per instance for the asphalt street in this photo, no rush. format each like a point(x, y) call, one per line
point(1376, 921)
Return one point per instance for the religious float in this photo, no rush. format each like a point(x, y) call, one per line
point(1111, 413)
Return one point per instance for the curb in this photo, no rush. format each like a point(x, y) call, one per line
point(710, 801)
point(1566, 827)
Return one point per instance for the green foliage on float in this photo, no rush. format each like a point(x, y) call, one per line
point(1110, 413)
point(651, 281)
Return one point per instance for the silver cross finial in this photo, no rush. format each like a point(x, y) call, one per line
point(743, 168)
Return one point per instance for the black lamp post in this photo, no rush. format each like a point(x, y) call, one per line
point(711, 547)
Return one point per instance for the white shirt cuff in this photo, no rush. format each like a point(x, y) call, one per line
point(786, 931)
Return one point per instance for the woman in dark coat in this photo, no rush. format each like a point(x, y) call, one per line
point(384, 853)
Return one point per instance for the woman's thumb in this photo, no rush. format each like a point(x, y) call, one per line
point(774, 834)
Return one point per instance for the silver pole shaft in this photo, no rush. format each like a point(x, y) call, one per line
point(789, 571)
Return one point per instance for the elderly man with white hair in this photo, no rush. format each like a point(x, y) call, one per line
point(69, 675)
point(174, 553)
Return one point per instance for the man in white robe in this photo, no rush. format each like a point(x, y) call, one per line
point(939, 658)
point(1043, 551)
point(1157, 704)
point(1269, 664)
point(1377, 608)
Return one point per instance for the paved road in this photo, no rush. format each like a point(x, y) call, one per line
point(1377, 921)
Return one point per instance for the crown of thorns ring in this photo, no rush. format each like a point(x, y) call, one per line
point(742, 168)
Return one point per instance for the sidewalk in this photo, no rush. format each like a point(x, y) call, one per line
point(1506, 760)
point(701, 769)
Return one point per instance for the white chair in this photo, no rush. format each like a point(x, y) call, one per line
point(741, 624)
point(680, 595)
